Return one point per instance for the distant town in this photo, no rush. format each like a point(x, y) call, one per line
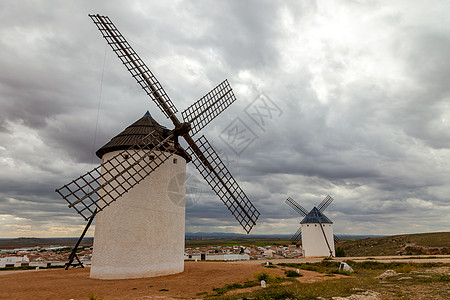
point(45, 257)
point(58, 256)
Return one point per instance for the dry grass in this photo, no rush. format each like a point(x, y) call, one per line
point(415, 281)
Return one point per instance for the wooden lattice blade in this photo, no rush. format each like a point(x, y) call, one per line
point(336, 239)
point(134, 64)
point(208, 107)
point(93, 191)
point(297, 236)
point(297, 207)
point(221, 181)
point(325, 203)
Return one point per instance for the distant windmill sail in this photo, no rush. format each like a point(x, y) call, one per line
point(325, 203)
point(297, 207)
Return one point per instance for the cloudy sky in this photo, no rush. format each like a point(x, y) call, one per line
point(346, 98)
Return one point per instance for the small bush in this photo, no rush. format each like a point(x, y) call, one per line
point(329, 263)
point(290, 273)
point(309, 268)
point(233, 286)
point(228, 287)
point(262, 276)
point(94, 297)
point(276, 280)
point(443, 278)
point(340, 252)
point(249, 283)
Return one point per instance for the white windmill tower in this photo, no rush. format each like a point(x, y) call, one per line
point(141, 224)
point(144, 231)
point(316, 230)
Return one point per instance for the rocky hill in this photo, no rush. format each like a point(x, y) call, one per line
point(406, 244)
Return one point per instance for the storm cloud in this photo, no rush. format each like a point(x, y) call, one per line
point(359, 95)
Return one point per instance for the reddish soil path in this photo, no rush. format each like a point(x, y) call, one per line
point(198, 277)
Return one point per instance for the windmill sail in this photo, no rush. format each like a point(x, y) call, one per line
point(208, 107)
point(134, 64)
point(336, 239)
point(195, 118)
point(214, 171)
point(325, 203)
point(93, 191)
point(297, 207)
point(297, 236)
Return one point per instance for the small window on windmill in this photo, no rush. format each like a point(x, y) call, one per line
point(175, 161)
point(151, 157)
point(125, 156)
point(315, 225)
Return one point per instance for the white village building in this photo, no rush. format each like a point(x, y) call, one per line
point(14, 261)
point(221, 256)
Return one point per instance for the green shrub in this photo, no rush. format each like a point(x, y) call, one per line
point(443, 278)
point(290, 273)
point(262, 276)
point(228, 287)
point(340, 252)
point(270, 266)
point(234, 286)
point(249, 283)
point(329, 263)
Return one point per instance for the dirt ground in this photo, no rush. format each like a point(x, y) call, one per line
point(198, 278)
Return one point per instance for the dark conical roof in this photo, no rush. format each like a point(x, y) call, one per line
point(315, 216)
point(133, 134)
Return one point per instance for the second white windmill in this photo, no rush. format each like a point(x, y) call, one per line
point(316, 230)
